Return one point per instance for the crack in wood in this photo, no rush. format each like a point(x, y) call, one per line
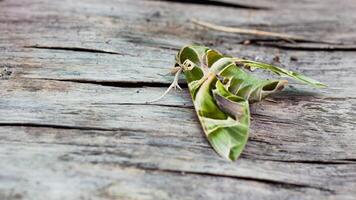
point(218, 4)
point(39, 125)
point(338, 98)
point(65, 127)
point(306, 47)
point(77, 49)
point(278, 183)
point(346, 161)
point(147, 104)
point(125, 84)
point(258, 41)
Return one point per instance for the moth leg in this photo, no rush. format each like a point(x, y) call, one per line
point(174, 70)
point(173, 85)
point(177, 70)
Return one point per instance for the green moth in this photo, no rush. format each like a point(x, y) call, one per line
point(221, 89)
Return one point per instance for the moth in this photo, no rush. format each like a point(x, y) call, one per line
point(222, 88)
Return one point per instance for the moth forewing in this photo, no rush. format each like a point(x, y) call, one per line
point(280, 72)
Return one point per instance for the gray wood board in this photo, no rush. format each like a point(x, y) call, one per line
point(75, 77)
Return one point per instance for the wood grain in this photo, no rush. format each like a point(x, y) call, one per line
point(75, 76)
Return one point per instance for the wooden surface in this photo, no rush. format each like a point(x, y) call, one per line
point(75, 76)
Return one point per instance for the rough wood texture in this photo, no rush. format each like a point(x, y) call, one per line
point(75, 76)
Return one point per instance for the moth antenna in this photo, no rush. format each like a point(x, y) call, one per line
point(173, 85)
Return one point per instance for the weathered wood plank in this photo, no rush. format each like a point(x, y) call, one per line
point(99, 140)
point(286, 142)
point(90, 20)
point(79, 66)
point(139, 62)
point(73, 172)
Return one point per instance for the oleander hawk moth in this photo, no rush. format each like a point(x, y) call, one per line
point(222, 88)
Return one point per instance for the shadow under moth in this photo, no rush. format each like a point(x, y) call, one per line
point(222, 88)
